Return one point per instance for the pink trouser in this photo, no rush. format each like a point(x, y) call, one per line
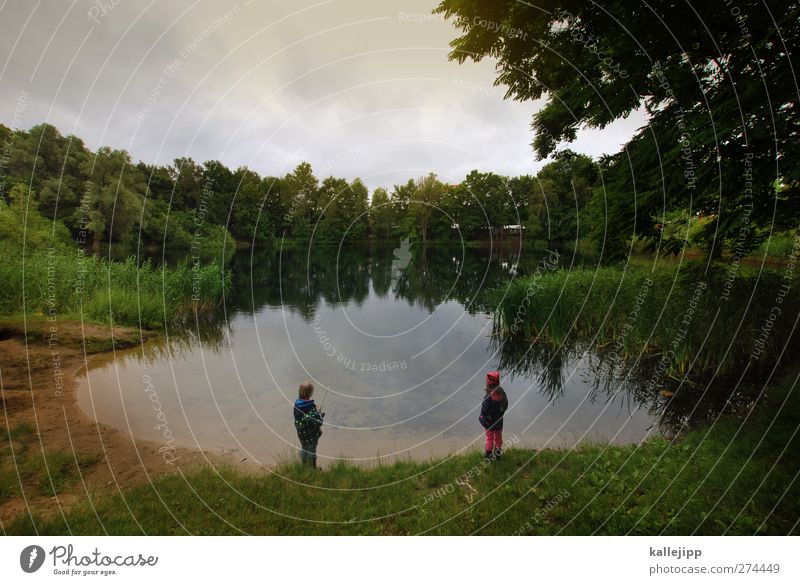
point(494, 439)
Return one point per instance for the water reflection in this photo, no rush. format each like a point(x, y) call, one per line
point(301, 281)
point(674, 404)
point(397, 341)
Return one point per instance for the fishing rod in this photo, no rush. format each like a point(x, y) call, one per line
point(327, 387)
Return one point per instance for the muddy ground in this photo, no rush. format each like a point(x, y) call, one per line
point(39, 366)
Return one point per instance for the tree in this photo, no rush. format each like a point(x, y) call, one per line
point(332, 195)
point(357, 209)
point(521, 190)
point(300, 190)
point(60, 178)
point(401, 201)
point(717, 86)
point(489, 203)
point(381, 214)
point(113, 196)
point(188, 183)
point(218, 188)
point(21, 224)
point(427, 196)
point(276, 207)
point(563, 191)
point(249, 223)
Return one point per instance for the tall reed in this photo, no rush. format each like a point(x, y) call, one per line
point(695, 319)
point(66, 282)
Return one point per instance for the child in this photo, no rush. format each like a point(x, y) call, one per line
point(494, 406)
point(308, 422)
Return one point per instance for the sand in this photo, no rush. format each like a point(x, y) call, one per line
point(39, 363)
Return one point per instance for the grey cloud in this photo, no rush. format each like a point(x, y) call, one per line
point(222, 80)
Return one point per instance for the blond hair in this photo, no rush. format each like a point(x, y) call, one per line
point(306, 390)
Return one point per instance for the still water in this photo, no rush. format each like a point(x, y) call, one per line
point(396, 342)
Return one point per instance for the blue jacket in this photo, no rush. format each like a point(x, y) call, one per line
point(493, 408)
point(307, 420)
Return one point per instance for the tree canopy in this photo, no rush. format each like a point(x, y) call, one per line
point(103, 197)
point(714, 79)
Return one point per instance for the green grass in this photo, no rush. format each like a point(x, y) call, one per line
point(777, 246)
point(72, 285)
point(25, 468)
point(737, 477)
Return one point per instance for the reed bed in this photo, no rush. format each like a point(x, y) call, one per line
point(700, 322)
point(66, 283)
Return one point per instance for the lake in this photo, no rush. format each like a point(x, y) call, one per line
point(394, 338)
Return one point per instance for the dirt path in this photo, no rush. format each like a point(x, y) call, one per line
point(37, 387)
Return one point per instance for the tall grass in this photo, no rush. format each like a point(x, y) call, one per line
point(66, 282)
point(777, 246)
point(701, 322)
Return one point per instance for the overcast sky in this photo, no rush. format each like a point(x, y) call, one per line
point(358, 89)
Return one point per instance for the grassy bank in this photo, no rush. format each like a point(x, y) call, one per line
point(63, 281)
point(735, 477)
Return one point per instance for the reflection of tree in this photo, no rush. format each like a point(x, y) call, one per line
point(382, 257)
point(542, 361)
point(676, 403)
point(211, 333)
point(299, 280)
point(438, 274)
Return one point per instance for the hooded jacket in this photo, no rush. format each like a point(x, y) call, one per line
point(307, 421)
point(493, 407)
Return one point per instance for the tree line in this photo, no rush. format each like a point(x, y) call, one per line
point(104, 197)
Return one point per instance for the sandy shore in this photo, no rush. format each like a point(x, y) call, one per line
point(38, 371)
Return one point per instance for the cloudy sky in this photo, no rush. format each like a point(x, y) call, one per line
point(356, 88)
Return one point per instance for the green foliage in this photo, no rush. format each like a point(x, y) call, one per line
point(249, 221)
point(677, 230)
point(103, 198)
point(718, 88)
point(23, 227)
point(482, 205)
point(113, 195)
point(401, 201)
point(68, 282)
point(778, 246)
point(343, 211)
point(382, 214)
point(425, 204)
point(559, 199)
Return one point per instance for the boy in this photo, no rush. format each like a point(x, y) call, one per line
point(308, 422)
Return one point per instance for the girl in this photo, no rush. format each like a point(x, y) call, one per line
point(494, 406)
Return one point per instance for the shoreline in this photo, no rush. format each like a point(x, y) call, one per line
point(665, 484)
point(38, 391)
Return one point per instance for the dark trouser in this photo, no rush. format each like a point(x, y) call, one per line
point(308, 453)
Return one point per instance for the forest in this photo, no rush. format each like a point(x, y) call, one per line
point(104, 197)
point(71, 193)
